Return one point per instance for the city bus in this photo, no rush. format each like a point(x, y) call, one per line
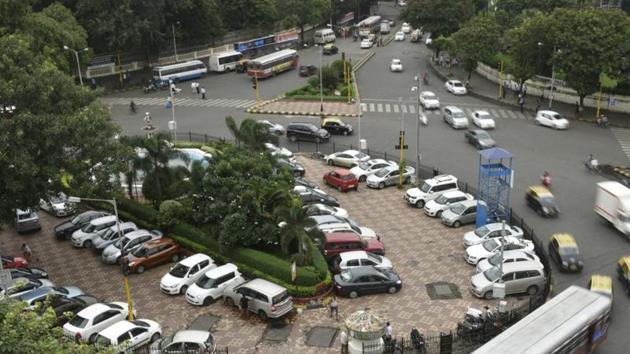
point(225, 61)
point(369, 25)
point(574, 321)
point(193, 69)
point(272, 64)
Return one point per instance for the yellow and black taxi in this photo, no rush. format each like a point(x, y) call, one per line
point(623, 273)
point(336, 126)
point(330, 49)
point(564, 250)
point(542, 201)
point(601, 284)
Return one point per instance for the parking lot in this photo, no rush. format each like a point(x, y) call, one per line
point(422, 250)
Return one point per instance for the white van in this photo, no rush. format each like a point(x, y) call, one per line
point(324, 36)
point(211, 285)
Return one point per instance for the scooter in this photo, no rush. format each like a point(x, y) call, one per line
point(602, 121)
point(591, 167)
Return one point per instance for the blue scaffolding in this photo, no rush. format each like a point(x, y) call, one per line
point(494, 186)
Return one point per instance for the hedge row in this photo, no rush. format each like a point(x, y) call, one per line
point(317, 98)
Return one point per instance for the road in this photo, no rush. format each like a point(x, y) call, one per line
point(535, 149)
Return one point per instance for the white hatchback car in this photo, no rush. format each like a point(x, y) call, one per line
point(435, 207)
point(508, 257)
point(489, 231)
point(323, 209)
point(455, 87)
point(399, 36)
point(429, 100)
point(551, 119)
point(483, 120)
point(474, 254)
point(85, 325)
point(365, 169)
point(406, 28)
point(210, 286)
point(396, 66)
point(353, 259)
point(185, 273)
point(126, 335)
point(366, 43)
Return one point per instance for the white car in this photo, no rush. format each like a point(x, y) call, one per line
point(390, 176)
point(455, 87)
point(210, 286)
point(551, 119)
point(57, 204)
point(353, 259)
point(279, 151)
point(483, 120)
point(331, 224)
point(348, 158)
point(508, 257)
point(273, 128)
point(323, 209)
point(476, 253)
point(365, 169)
point(436, 206)
point(406, 28)
point(126, 335)
point(86, 324)
point(489, 231)
point(21, 286)
point(399, 36)
point(186, 341)
point(402, 3)
point(185, 273)
point(113, 253)
point(366, 43)
point(396, 65)
point(304, 189)
point(429, 100)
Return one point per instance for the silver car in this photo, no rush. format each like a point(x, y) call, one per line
point(348, 158)
point(264, 298)
point(57, 204)
point(519, 277)
point(26, 220)
point(389, 176)
point(113, 253)
point(112, 235)
point(455, 117)
point(462, 213)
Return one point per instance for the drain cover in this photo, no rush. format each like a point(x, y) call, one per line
point(277, 332)
point(204, 322)
point(443, 291)
point(321, 337)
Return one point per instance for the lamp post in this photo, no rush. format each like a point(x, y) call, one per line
point(553, 76)
point(174, 41)
point(122, 255)
point(416, 88)
point(172, 125)
point(76, 56)
point(321, 87)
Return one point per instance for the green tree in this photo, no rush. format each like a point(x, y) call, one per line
point(440, 44)
point(509, 12)
point(240, 14)
point(250, 133)
point(111, 24)
point(440, 17)
point(477, 41)
point(303, 12)
point(292, 222)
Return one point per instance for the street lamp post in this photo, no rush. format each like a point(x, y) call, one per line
point(172, 125)
point(321, 87)
point(553, 77)
point(76, 56)
point(122, 255)
point(416, 89)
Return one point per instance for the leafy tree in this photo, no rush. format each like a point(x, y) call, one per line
point(292, 221)
point(250, 133)
point(509, 12)
point(111, 24)
point(440, 44)
point(476, 41)
point(199, 20)
point(238, 14)
point(587, 53)
point(304, 12)
point(440, 17)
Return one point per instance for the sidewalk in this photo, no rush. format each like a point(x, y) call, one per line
point(488, 91)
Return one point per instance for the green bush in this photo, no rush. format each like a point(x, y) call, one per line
point(319, 262)
point(142, 211)
point(188, 145)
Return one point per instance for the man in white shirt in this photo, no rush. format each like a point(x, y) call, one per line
point(343, 339)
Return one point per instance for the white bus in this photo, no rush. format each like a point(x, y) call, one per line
point(575, 321)
point(193, 69)
point(369, 25)
point(225, 61)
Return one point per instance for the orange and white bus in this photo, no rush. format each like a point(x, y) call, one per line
point(272, 64)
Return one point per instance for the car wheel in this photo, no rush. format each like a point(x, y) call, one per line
point(457, 224)
point(155, 337)
point(532, 290)
point(353, 294)
point(183, 289)
point(263, 315)
point(362, 178)
point(230, 302)
point(488, 295)
point(175, 258)
point(88, 244)
point(92, 338)
point(207, 301)
point(420, 204)
point(392, 290)
point(438, 214)
point(140, 269)
point(293, 138)
point(329, 162)
point(381, 185)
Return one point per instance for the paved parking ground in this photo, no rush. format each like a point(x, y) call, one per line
point(421, 249)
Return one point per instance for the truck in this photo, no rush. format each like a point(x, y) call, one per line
point(612, 203)
point(385, 27)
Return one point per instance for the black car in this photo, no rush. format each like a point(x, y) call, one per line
point(300, 181)
point(294, 167)
point(29, 273)
point(366, 280)
point(62, 304)
point(306, 132)
point(336, 126)
point(564, 250)
point(307, 70)
point(479, 139)
point(65, 229)
point(310, 196)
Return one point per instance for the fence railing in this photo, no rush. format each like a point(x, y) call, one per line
point(155, 348)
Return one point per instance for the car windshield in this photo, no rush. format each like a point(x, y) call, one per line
point(77, 219)
point(206, 283)
point(459, 114)
point(79, 322)
point(442, 199)
point(457, 84)
point(569, 251)
point(425, 187)
point(493, 274)
point(375, 258)
point(109, 235)
point(458, 209)
point(382, 172)
point(179, 271)
point(547, 201)
point(429, 96)
point(346, 276)
point(556, 116)
point(481, 231)
point(102, 341)
point(124, 241)
point(395, 61)
point(483, 135)
point(490, 245)
point(495, 259)
point(88, 228)
point(484, 116)
point(139, 252)
point(280, 298)
point(56, 199)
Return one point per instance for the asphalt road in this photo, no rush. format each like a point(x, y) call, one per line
point(535, 149)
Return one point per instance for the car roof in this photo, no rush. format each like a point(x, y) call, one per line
point(137, 233)
point(519, 266)
point(453, 108)
point(103, 219)
point(375, 161)
point(342, 172)
point(468, 202)
point(441, 179)
point(516, 253)
point(425, 92)
point(93, 310)
point(191, 335)
point(265, 286)
point(351, 152)
point(454, 81)
point(194, 259)
point(549, 112)
point(481, 111)
point(224, 269)
point(302, 124)
point(541, 191)
point(37, 293)
point(564, 240)
point(322, 219)
point(453, 194)
point(342, 236)
point(332, 119)
point(115, 330)
point(362, 270)
point(158, 242)
point(353, 255)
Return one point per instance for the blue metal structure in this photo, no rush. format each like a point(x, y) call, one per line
point(494, 186)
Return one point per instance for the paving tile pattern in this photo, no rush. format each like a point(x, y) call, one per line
point(312, 108)
point(422, 250)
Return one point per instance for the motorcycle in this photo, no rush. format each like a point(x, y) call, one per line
point(592, 166)
point(602, 121)
point(423, 119)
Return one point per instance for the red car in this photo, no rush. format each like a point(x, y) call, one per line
point(344, 180)
point(14, 262)
point(337, 242)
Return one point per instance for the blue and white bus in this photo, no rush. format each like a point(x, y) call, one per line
point(225, 61)
point(189, 70)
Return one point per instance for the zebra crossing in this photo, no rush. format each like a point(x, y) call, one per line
point(180, 102)
point(399, 108)
point(623, 138)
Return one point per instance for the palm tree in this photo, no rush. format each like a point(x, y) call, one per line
point(250, 133)
point(292, 221)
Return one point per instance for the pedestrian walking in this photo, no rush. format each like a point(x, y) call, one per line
point(244, 304)
point(192, 87)
point(521, 101)
point(515, 89)
point(506, 88)
point(26, 251)
point(524, 90)
point(124, 265)
point(343, 339)
point(93, 83)
point(334, 308)
point(389, 332)
point(169, 102)
point(197, 88)
point(203, 92)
